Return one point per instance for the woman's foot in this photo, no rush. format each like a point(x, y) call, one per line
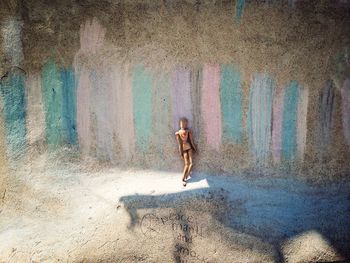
point(184, 183)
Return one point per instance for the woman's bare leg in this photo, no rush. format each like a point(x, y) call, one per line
point(189, 163)
point(186, 165)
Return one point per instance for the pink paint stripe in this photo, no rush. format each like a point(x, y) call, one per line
point(345, 93)
point(104, 100)
point(123, 109)
point(211, 105)
point(182, 104)
point(302, 122)
point(92, 36)
point(116, 81)
point(35, 111)
point(277, 126)
point(83, 110)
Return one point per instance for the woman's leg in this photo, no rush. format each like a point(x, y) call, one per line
point(185, 154)
point(189, 154)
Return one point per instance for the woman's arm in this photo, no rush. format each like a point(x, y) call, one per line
point(180, 144)
point(191, 141)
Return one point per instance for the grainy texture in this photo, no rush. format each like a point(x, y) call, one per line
point(345, 92)
point(12, 44)
point(12, 89)
point(88, 87)
point(305, 41)
point(3, 161)
point(260, 116)
point(327, 105)
point(231, 104)
point(277, 125)
point(35, 114)
point(211, 110)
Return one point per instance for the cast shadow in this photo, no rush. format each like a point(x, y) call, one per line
point(271, 213)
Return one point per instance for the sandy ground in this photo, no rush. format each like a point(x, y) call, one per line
point(65, 215)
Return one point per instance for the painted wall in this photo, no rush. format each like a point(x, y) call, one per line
point(120, 102)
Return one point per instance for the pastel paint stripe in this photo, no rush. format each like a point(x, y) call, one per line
point(290, 119)
point(341, 63)
point(69, 104)
point(327, 109)
point(211, 105)
point(260, 116)
point(231, 103)
point(142, 106)
point(277, 126)
point(3, 159)
point(13, 92)
point(93, 113)
point(12, 45)
point(345, 93)
point(116, 82)
point(53, 103)
point(35, 111)
point(240, 5)
point(83, 109)
point(92, 36)
point(196, 86)
point(181, 96)
point(161, 118)
point(124, 124)
point(104, 101)
point(92, 39)
point(302, 122)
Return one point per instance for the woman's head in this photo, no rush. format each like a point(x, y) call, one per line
point(183, 123)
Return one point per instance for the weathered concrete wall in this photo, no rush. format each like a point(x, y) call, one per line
point(263, 84)
point(86, 85)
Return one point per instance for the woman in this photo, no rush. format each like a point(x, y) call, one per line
point(186, 148)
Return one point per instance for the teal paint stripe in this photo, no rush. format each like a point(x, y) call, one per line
point(240, 4)
point(53, 102)
point(69, 104)
point(162, 117)
point(13, 92)
point(262, 91)
point(142, 106)
point(231, 103)
point(341, 63)
point(289, 125)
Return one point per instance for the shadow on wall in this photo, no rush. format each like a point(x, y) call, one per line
point(286, 217)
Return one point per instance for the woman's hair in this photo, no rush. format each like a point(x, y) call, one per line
point(183, 119)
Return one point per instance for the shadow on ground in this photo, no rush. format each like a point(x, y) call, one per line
point(274, 212)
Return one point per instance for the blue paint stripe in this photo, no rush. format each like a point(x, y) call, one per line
point(15, 104)
point(69, 104)
point(260, 116)
point(240, 4)
point(231, 103)
point(289, 124)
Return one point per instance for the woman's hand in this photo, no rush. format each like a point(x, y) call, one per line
point(181, 153)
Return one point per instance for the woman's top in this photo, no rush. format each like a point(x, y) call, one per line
point(184, 134)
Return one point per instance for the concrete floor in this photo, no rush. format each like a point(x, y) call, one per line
point(63, 215)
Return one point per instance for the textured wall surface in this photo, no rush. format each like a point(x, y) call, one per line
point(258, 81)
point(248, 76)
point(93, 85)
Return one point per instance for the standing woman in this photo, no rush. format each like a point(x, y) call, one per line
point(186, 148)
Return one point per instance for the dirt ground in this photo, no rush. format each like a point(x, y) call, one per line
point(68, 215)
